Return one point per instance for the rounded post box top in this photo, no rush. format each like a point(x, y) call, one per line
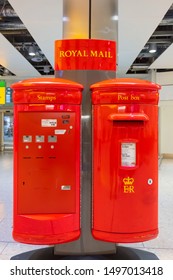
point(125, 83)
point(47, 90)
point(124, 90)
point(42, 83)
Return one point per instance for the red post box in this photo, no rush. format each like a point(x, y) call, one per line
point(125, 160)
point(47, 132)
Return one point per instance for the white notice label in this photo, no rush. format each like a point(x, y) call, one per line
point(60, 131)
point(128, 154)
point(49, 123)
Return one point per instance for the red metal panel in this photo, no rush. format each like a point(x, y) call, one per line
point(125, 169)
point(46, 168)
point(45, 156)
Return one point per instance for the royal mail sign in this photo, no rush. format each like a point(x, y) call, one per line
point(85, 54)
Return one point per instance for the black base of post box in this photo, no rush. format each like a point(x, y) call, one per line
point(122, 253)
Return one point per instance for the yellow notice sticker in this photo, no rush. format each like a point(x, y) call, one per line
point(2, 95)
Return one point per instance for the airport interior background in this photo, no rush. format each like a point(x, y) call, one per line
point(136, 29)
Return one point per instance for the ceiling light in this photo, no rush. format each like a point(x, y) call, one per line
point(152, 48)
point(6, 72)
point(115, 17)
point(46, 69)
point(37, 58)
point(140, 66)
point(65, 19)
point(31, 51)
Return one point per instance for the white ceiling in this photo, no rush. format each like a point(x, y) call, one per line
point(137, 21)
point(165, 61)
point(43, 18)
point(11, 59)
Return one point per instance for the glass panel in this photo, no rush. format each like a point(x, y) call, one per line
point(8, 130)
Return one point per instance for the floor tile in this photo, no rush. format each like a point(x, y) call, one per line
point(14, 248)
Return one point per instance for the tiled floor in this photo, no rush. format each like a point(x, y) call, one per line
point(162, 246)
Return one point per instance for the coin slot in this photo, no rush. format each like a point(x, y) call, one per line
point(52, 138)
point(39, 138)
point(26, 157)
point(27, 138)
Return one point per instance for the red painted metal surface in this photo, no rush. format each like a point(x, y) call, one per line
point(85, 54)
point(46, 161)
point(125, 160)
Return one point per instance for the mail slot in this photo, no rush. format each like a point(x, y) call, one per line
point(47, 134)
point(125, 160)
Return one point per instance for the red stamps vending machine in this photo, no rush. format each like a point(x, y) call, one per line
point(47, 132)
